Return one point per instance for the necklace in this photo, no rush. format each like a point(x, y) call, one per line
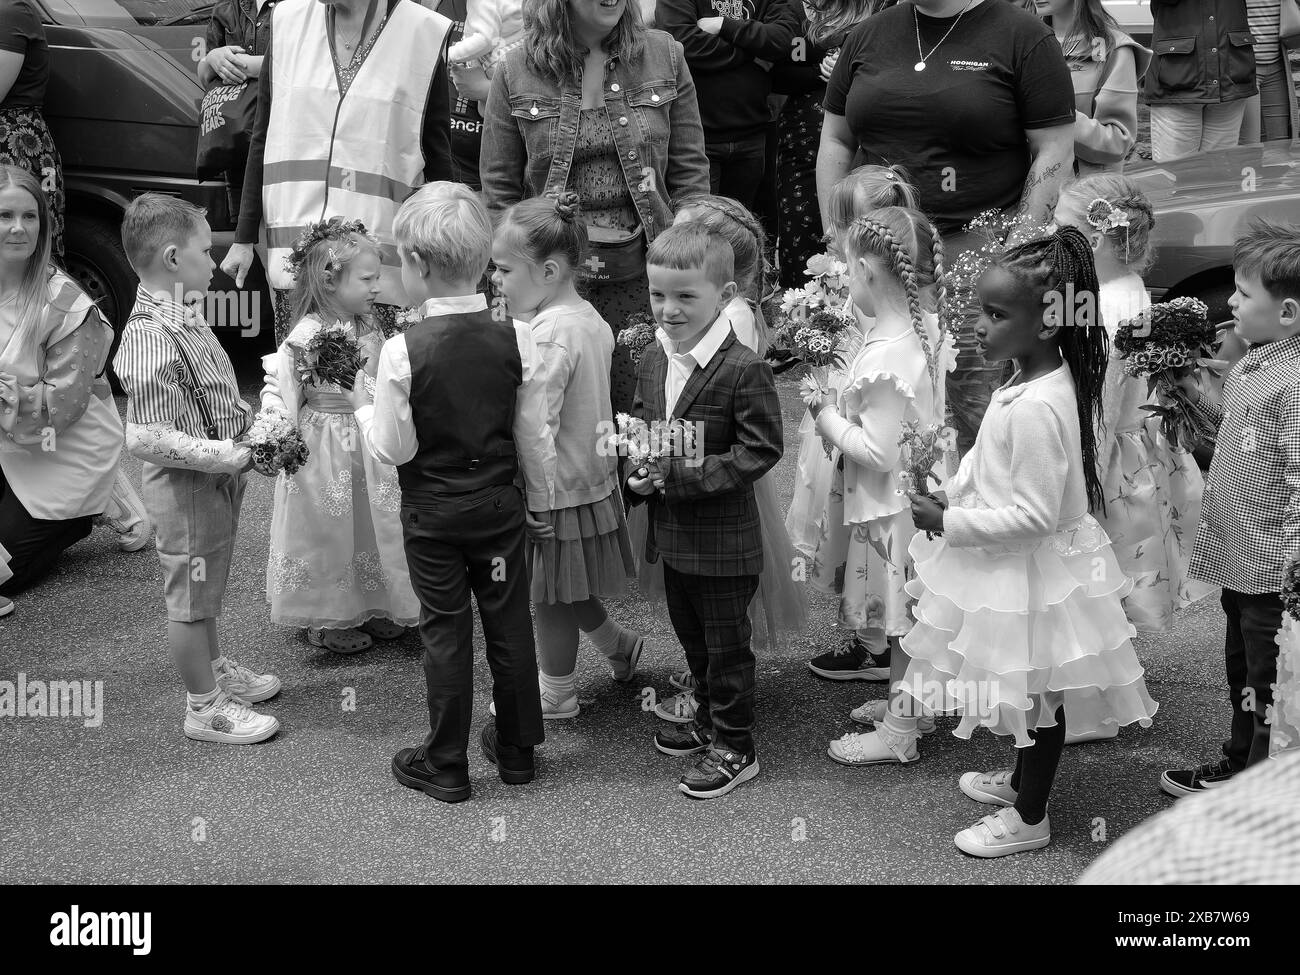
point(920, 65)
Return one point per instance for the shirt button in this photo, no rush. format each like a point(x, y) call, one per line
point(614, 86)
point(1214, 50)
point(622, 120)
point(631, 154)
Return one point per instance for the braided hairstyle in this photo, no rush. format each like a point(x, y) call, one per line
point(1122, 193)
point(1048, 265)
point(732, 220)
point(544, 226)
point(913, 250)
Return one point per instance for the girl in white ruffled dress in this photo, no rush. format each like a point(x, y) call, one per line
point(894, 257)
point(1019, 621)
point(337, 565)
point(1152, 489)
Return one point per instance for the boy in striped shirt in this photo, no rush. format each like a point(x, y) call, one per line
point(185, 420)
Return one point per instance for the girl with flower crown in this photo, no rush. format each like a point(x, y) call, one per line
point(337, 565)
point(1152, 488)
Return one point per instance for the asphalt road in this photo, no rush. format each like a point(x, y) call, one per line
point(133, 800)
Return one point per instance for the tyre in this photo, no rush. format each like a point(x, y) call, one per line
point(95, 259)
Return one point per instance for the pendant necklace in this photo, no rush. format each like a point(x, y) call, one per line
point(920, 65)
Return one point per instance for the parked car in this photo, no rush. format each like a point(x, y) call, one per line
point(123, 106)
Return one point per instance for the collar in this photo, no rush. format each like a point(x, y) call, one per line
point(1009, 392)
point(1263, 356)
point(454, 305)
point(706, 348)
point(169, 309)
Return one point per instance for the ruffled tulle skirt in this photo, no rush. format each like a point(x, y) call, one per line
point(591, 554)
point(778, 613)
point(1006, 636)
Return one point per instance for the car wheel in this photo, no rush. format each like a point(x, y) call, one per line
point(94, 257)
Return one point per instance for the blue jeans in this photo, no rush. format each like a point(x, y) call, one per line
point(736, 168)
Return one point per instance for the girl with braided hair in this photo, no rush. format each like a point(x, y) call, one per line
point(1152, 488)
point(896, 377)
point(1020, 625)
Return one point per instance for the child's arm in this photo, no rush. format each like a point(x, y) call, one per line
point(757, 448)
point(1289, 443)
point(149, 370)
point(387, 426)
point(554, 369)
point(62, 394)
point(704, 51)
point(770, 37)
point(1038, 471)
point(1111, 132)
point(874, 445)
point(533, 437)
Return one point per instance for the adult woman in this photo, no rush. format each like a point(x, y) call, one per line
point(596, 103)
point(802, 79)
point(981, 116)
point(1203, 75)
point(25, 141)
point(1268, 114)
point(360, 121)
point(60, 436)
point(236, 44)
point(1106, 66)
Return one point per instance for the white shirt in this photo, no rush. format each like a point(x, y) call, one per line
point(682, 364)
point(388, 428)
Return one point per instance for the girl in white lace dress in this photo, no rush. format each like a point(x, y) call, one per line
point(337, 565)
point(1019, 621)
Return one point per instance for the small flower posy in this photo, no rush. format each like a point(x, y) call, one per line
point(923, 448)
point(277, 444)
point(329, 355)
point(637, 335)
point(647, 444)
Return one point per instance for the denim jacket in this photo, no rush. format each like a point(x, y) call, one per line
point(531, 130)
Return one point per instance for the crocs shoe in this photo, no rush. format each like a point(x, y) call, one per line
point(1002, 834)
point(873, 713)
point(879, 747)
point(229, 722)
point(679, 709)
point(991, 787)
point(240, 682)
point(339, 641)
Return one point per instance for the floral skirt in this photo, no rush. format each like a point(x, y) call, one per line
point(25, 142)
point(799, 229)
point(1004, 636)
point(336, 557)
point(590, 555)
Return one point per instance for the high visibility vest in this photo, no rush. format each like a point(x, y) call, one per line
point(357, 156)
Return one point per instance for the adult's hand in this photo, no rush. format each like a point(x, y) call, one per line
point(237, 262)
point(225, 62)
point(471, 81)
point(710, 25)
point(828, 64)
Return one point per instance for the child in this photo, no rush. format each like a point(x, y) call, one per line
point(1152, 489)
point(779, 611)
point(1019, 623)
point(703, 515)
point(538, 244)
point(896, 377)
point(860, 656)
point(1250, 516)
point(492, 28)
point(185, 420)
point(336, 564)
point(460, 409)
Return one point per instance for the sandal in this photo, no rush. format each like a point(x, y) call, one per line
point(339, 641)
point(382, 629)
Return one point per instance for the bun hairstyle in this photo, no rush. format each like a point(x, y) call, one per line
point(913, 250)
point(1047, 265)
point(732, 220)
point(544, 226)
point(1129, 230)
point(869, 188)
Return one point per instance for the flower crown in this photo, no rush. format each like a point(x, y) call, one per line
point(334, 229)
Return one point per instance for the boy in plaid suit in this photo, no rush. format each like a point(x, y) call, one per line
point(703, 516)
point(1250, 514)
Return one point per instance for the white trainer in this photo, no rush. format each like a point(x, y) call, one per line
point(873, 713)
point(238, 681)
point(228, 721)
point(993, 788)
point(879, 747)
point(1002, 834)
point(679, 709)
point(553, 708)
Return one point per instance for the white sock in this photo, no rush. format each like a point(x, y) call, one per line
point(605, 637)
point(560, 688)
point(899, 725)
point(201, 702)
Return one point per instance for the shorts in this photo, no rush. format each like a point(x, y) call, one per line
point(196, 516)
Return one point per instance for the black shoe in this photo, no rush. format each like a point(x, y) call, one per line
point(851, 660)
point(1186, 782)
point(514, 762)
point(410, 769)
point(681, 739)
point(718, 772)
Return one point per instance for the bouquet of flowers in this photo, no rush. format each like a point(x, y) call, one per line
point(1164, 343)
point(277, 444)
point(637, 335)
point(923, 447)
point(1284, 713)
point(646, 444)
point(815, 341)
point(826, 291)
point(329, 355)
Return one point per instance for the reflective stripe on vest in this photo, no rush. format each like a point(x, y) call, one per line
point(358, 157)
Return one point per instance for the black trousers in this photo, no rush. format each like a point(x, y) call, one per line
point(33, 544)
point(736, 168)
point(1251, 658)
point(710, 615)
point(456, 544)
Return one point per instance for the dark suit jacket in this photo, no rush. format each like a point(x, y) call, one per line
point(706, 520)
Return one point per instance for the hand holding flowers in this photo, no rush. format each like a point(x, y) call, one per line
point(276, 443)
point(328, 354)
point(923, 448)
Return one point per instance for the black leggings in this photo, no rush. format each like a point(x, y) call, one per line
point(1036, 770)
point(33, 544)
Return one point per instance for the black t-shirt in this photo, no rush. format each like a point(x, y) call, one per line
point(958, 127)
point(466, 122)
point(21, 33)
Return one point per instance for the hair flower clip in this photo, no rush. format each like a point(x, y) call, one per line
point(1104, 215)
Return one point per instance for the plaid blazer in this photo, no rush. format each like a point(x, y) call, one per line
point(705, 521)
